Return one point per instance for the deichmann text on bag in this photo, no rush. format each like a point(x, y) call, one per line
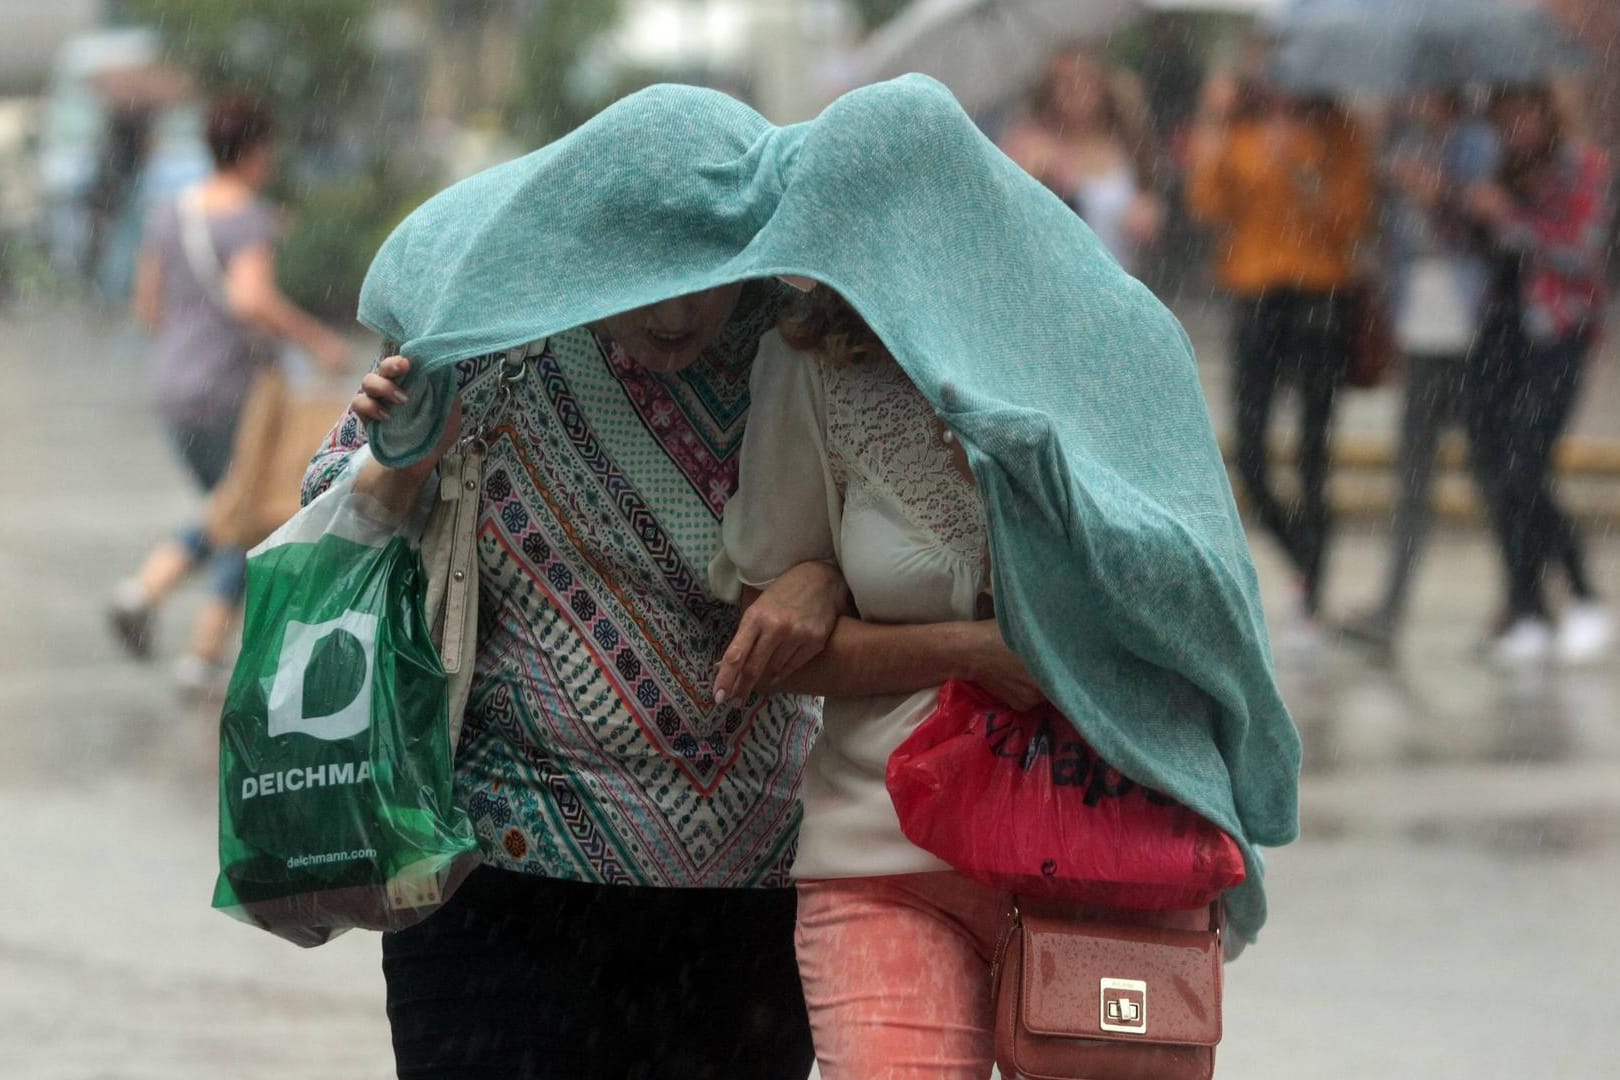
point(296, 861)
point(311, 776)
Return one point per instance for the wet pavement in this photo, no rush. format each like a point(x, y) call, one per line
point(1448, 914)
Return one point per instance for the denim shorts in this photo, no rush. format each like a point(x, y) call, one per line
point(206, 451)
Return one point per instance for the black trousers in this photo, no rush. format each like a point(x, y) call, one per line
point(1436, 393)
point(1290, 337)
point(1521, 395)
point(528, 978)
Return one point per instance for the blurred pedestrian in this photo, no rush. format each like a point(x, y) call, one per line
point(110, 199)
point(1546, 217)
point(1172, 75)
point(206, 287)
point(1438, 273)
point(1288, 185)
point(1086, 135)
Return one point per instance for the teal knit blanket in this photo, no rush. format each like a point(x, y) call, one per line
point(1121, 570)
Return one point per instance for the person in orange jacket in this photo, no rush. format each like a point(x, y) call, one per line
point(1289, 188)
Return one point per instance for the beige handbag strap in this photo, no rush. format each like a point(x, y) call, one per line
point(452, 589)
point(449, 544)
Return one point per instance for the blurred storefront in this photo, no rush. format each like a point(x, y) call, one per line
point(34, 30)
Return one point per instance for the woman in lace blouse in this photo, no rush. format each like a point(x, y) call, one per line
point(844, 461)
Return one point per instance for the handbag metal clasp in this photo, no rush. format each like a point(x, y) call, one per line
point(1123, 1005)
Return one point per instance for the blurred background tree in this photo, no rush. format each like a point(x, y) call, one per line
point(874, 13)
point(310, 58)
point(383, 103)
point(545, 99)
point(314, 61)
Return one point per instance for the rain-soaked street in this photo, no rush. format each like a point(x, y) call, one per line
point(1448, 914)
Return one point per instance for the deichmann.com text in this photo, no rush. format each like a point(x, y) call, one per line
point(297, 862)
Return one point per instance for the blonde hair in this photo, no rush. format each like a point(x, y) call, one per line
point(823, 323)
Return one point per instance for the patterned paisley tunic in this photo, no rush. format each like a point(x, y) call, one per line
point(592, 748)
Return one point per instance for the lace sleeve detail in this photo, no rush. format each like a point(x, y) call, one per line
point(885, 441)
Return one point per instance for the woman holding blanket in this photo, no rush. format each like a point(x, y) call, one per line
point(846, 462)
point(631, 918)
point(597, 728)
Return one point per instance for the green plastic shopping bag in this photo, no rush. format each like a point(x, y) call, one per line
point(335, 764)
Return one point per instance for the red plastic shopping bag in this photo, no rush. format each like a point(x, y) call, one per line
point(1019, 801)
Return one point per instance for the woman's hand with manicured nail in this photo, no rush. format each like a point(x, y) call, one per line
point(380, 388)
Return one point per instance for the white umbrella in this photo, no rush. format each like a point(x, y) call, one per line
point(986, 51)
point(1221, 7)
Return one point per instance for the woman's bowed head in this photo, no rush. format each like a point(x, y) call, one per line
point(665, 337)
point(671, 335)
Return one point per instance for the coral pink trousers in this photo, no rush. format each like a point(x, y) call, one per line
point(896, 973)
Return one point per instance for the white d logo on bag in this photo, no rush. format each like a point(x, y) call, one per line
point(323, 678)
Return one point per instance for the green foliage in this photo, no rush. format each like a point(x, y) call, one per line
point(542, 105)
point(874, 13)
point(1200, 33)
point(27, 277)
point(335, 231)
point(310, 60)
point(304, 56)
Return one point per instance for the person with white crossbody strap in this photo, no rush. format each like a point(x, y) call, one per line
point(1440, 273)
point(205, 287)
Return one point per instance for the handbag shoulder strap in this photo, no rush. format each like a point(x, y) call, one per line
point(198, 246)
point(449, 542)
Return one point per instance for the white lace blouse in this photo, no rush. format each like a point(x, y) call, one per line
point(849, 463)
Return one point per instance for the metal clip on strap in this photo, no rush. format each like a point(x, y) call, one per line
point(514, 369)
point(450, 546)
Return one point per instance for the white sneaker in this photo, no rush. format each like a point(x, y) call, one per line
point(195, 677)
point(1300, 643)
point(1527, 641)
point(1585, 633)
